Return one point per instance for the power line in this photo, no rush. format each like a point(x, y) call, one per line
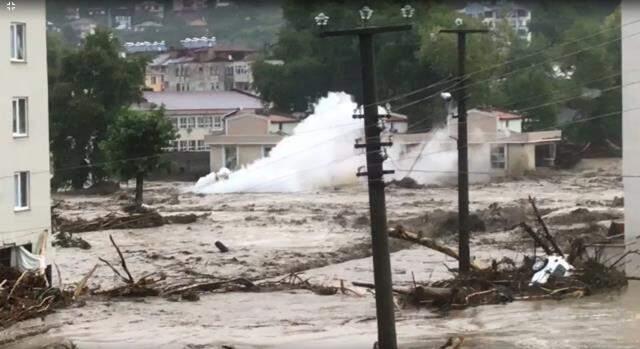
point(518, 70)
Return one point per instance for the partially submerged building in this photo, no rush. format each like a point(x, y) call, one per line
point(631, 128)
point(497, 144)
point(196, 115)
point(245, 138)
point(25, 203)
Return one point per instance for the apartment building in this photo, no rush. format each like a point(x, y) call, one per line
point(518, 17)
point(631, 128)
point(192, 69)
point(25, 206)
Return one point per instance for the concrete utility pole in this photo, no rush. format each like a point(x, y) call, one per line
point(375, 172)
point(463, 161)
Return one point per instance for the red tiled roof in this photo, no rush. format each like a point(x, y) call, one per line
point(504, 115)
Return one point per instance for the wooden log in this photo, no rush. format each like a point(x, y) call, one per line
point(536, 238)
point(545, 229)
point(122, 261)
point(221, 247)
point(400, 233)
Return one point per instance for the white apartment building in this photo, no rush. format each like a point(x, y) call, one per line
point(25, 206)
point(518, 17)
point(631, 127)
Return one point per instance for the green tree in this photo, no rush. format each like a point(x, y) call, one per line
point(89, 86)
point(135, 140)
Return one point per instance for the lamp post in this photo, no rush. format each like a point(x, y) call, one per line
point(463, 161)
point(375, 171)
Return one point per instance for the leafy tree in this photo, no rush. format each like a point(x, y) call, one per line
point(88, 88)
point(134, 142)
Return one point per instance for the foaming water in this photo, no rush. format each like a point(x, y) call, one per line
point(320, 153)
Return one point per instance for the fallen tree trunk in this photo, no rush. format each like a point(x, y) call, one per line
point(400, 233)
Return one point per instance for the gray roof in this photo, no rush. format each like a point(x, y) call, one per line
point(203, 100)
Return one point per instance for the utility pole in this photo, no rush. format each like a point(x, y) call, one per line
point(463, 157)
point(375, 171)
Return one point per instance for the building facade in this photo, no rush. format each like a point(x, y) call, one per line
point(631, 127)
point(246, 137)
point(497, 147)
point(518, 17)
point(200, 69)
point(25, 205)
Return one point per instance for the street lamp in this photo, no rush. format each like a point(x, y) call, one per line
point(322, 20)
point(365, 14)
point(407, 11)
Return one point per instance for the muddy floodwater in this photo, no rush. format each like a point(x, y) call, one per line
point(324, 236)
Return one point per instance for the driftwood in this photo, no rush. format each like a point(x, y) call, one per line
point(545, 229)
point(221, 247)
point(536, 238)
point(400, 233)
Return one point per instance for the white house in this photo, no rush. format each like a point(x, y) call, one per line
point(25, 205)
point(631, 127)
point(518, 17)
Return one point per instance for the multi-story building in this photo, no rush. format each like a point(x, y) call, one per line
point(196, 115)
point(149, 10)
point(25, 206)
point(631, 128)
point(518, 17)
point(201, 69)
point(189, 5)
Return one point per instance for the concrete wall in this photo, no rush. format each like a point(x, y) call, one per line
point(31, 153)
point(520, 159)
point(215, 158)
point(285, 127)
point(248, 154)
point(247, 125)
point(631, 126)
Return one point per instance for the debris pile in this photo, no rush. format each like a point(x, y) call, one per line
point(552, 276)
point(26, 295)
point(115, 220)
point(66, 240)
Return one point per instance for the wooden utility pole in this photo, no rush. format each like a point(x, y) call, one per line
point(463, 160)
point(375, 172)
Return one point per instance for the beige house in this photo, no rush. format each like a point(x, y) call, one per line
point(497, 145)
point(246, 138)
point(631, 127)
point(25, 203)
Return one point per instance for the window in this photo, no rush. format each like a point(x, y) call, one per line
point(18, 41)
point(488, 14)
point(217, 122)
point(21, 183)
point(498, 155)
point(19, 113)
point(204, 122)
point(201, 146)
point(183, 123)
point(153, 80)
point(174, 145)
point(182, 146)
point(266, 150)
point(230, 156)
point(192, 146)
point(191, 122)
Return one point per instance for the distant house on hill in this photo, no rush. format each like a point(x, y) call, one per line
point(216, 68)
point(148, 10)
point(189, 5)
point(516, 16)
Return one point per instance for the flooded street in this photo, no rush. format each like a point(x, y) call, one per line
point(324, 236)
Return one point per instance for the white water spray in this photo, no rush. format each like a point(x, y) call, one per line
point(320, 153)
